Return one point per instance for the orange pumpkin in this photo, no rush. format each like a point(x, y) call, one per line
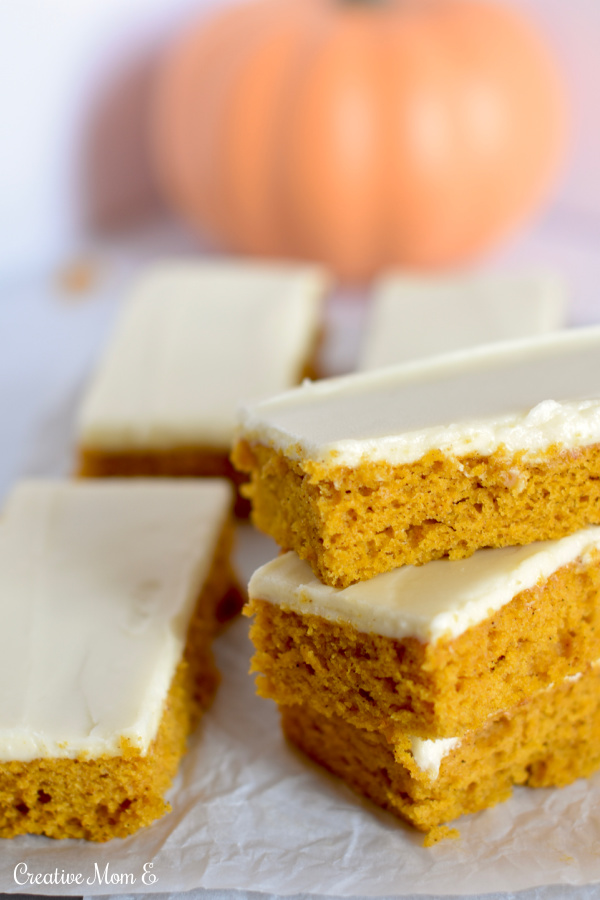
point(362, 134)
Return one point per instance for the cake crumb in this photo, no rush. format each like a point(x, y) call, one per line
point(440, 833)
point(77, 278)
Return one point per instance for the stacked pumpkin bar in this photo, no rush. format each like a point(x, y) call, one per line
point(428, 670)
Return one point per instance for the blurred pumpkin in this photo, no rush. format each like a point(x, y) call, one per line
point(362, 134)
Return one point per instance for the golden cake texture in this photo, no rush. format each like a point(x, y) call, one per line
point(549, 740)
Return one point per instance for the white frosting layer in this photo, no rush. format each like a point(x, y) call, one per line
point(442, 599)
point(98, 581)
point(193, 341)
point(413, 317)
point(525, 395)
point(428, 754)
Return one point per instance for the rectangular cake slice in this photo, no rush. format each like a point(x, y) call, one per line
point(412, 317)
point(548, 741)
point(433, 650)
point(496, 446)
point(108, 600)
point(194, 339)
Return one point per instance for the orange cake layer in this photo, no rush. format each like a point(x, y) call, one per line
point(112, 796)
point(222, 584)
point(350, 523)
point(432, 688)
point(177, 462)
point(550, 740)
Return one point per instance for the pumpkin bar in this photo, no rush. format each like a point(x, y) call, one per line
point(432, 651)
point(548, 741)
point(194, 339)
point(108, 600)
point(490, 447)
point(413, 316)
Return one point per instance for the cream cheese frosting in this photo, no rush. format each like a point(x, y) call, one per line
point(98, 582)
point(412, 317)
point(193, 341)
point(523, 395)
point(428, 754)
point(441, 599)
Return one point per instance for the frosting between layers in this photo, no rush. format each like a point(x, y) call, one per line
point(98, 581)
point(439, 600)
point(523, 396)
point(428, 753)
point(192, 342)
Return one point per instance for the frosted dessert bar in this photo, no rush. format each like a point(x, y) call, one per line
point(193, 340)
point(490, 447)
point(548, 741)
point(435, 650)
point(108, 599)
point(412, 317)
